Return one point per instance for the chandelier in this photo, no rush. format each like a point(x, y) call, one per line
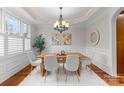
point(61, 25)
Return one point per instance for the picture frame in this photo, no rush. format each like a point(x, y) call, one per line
point(95, 37)
point(61, 39)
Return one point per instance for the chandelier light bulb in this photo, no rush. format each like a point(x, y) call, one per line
point(63, 22)
point(67, 25)
point(57, 22)
point(54, 25)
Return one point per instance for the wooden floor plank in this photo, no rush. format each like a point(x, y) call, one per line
point(17, 78)
point(21, 75)
point(112, 81)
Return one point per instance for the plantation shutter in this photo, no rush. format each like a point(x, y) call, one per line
point(12, 45)
point(27, 44)
point(15, 45)
point(1, 46)
point(20, 45)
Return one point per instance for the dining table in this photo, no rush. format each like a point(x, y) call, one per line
point(61, 59)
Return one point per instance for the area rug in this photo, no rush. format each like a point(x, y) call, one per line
point(87, 78)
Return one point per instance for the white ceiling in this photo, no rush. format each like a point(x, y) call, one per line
point(43, 15)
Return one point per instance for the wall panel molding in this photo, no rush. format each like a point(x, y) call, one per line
point(11, 66)
point(101, 58)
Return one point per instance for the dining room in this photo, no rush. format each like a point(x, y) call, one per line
point(63, 46)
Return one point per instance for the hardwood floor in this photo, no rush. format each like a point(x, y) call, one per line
point(18, 77)
point(112, 81)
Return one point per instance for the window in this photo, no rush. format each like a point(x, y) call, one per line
point(15, 45)
point(10, 30)
point(25, 28)
point(12, 25)
point(1, 45)
point(27, 44)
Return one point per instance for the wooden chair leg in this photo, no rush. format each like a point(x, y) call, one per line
point(77, 76)
point(66, 75)
point(64, 71)
point(45, 76)
point(57, 75)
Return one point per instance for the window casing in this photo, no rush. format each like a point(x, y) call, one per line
point(24, 29)
point(29, 31)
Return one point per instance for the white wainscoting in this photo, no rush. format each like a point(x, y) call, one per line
point(12, 65)
point(100, 58)
point(2, 70)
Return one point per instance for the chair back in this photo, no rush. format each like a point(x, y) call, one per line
point(50, 62)
point(31, 56)
point(88, 60)
point(72, 62)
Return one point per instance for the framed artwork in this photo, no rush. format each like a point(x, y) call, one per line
point(61, 39)
point(95, 37)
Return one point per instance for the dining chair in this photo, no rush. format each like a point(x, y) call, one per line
point(34, 61)
point(87, 61)
point(51, 64)
point(72, 65)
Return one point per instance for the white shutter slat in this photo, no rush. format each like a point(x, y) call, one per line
point(1, 45)
point(12, 45)
point(20, 45)
point(15, 45)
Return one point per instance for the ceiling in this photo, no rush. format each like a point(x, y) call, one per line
point(43, 15)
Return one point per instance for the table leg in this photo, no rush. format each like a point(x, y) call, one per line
point(79, 70)
point(42, 69)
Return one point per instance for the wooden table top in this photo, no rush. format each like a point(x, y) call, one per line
point(64, 55)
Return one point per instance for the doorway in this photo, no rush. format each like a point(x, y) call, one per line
point(120, 43)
